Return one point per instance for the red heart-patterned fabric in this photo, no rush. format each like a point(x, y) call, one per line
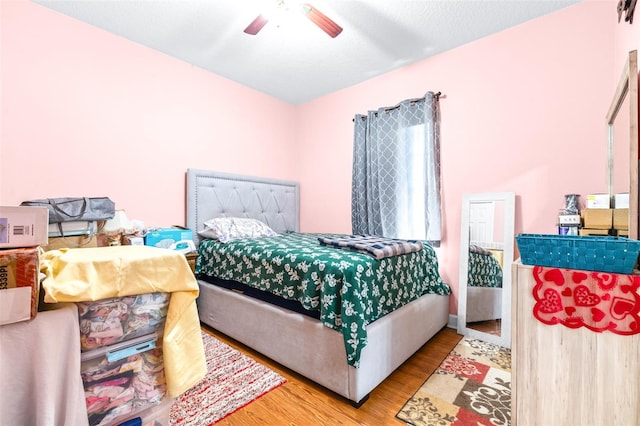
point(597, 300)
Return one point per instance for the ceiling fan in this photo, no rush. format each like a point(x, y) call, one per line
point(313, 14)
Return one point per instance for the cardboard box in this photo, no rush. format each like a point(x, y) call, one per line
point(597, 218)
point(166, 237)
point(621, 201)
point(599, 232)
point(19, 284)
point(621, 219)
point(598, 201)
point(22, 226)
point(132, 240)
point(76, 241)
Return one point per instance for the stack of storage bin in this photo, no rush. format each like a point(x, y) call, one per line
point(122, 367)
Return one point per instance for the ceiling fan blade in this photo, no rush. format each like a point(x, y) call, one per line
point(257, 24)
point(318, 18)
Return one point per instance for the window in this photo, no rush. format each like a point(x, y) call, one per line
point(396, 171)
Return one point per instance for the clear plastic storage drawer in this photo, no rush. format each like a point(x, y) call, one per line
point(123, 379)
point(155, 415)
point(108, 321)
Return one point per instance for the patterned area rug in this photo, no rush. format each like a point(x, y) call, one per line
point(472, 386)
point(233, 381)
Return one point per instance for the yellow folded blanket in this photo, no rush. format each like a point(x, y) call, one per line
point(90, 274)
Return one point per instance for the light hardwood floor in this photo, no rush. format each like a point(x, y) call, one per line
point(302, 402)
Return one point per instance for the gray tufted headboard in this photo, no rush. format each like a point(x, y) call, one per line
point(212, 194)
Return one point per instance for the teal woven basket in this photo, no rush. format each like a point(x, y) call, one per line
point(605, 254)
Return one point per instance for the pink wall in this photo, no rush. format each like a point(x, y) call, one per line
point(85, 112)
point(523, 110)
point(626, 38)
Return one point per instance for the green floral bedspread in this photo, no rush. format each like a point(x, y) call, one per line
point(484, 271)
point(349, 289)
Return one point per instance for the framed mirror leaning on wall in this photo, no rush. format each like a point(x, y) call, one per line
point(486, 254)
point(622, 143)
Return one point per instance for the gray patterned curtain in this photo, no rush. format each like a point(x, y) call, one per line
point(396, 171)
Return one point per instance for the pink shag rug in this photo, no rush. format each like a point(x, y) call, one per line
point(233, 381)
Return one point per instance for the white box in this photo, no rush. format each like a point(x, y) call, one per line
point(569, 219)
point(15, 305)
point(75, 227)
point(621, 201)
point(22, 226)
point(598, 201)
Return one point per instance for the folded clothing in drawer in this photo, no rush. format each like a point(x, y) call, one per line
point(123, 379)
point(109, 321)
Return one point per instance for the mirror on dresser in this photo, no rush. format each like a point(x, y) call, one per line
point(622, 140)
point(486, 254)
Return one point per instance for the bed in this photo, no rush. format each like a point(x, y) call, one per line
point(484, 285)
point(314, 347)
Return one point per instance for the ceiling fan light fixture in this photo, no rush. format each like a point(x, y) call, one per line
point(321, 20)
point(281, 12)
point(256, 25)
point(275, 12)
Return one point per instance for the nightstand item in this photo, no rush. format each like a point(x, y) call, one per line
point(191, 259)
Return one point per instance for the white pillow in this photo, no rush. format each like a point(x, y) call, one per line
point(226, 229)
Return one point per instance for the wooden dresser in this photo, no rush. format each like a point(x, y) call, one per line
point(566, 377)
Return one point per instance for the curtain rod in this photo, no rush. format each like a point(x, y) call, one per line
point(435, 95)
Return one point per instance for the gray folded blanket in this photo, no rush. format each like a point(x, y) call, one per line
point(378, 247)
point(479, 250)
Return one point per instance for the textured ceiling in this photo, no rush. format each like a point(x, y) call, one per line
point(294, 60)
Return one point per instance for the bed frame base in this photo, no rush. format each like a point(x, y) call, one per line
point(307, 347)
point(359, 403)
